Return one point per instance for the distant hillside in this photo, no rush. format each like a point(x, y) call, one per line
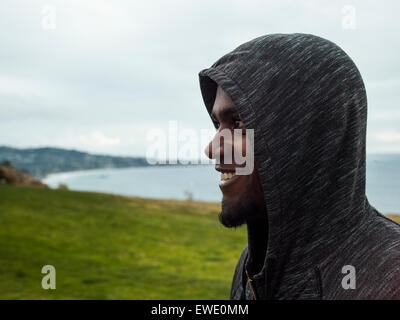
point(41, 161)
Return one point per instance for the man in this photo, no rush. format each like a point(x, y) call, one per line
point(312, 233)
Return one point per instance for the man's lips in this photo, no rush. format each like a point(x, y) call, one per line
point(225, 168)
point(224, 183)
point(228, 176)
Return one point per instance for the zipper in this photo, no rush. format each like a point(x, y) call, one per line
point(251, 285)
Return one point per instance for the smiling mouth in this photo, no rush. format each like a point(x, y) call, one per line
point(227, 175)
point(227, 178)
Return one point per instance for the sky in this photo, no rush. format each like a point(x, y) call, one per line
point(98, 76)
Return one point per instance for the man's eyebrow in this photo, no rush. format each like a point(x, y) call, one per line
point(224, 112)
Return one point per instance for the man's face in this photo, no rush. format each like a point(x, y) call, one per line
point(242, 198)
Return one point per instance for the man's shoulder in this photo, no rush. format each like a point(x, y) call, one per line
point(242, 260)
point(238, 278)
point(244, 253)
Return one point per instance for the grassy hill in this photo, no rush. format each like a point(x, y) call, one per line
point(113, 247)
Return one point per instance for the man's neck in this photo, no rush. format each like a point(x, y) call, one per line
point(257, 235)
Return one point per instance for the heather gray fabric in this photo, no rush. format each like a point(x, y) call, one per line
point(306, 101)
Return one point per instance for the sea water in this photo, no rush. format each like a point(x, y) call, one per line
point(200, 182)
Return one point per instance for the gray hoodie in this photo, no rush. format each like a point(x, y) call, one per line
point(306, 101)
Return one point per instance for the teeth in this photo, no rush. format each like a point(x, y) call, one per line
point(227, 176)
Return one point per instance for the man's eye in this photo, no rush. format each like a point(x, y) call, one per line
point(216, 123)
point(237, 123)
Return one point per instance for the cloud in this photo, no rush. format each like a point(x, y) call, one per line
point(110, 68)
point(98, 138)
point(388, 136)
point(93, 139)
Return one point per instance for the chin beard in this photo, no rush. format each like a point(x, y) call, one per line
point(235, 216)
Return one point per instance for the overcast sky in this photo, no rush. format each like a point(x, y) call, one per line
point(96, 75)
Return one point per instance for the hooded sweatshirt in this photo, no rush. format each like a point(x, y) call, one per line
point(306, 101)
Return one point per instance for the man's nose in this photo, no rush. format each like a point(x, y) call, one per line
point(214, 148)
point(208, 150)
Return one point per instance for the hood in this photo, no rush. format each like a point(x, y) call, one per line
point(305, 99)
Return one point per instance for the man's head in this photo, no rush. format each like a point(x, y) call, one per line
point(243, 198)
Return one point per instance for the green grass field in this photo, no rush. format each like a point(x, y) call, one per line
point(113, 247)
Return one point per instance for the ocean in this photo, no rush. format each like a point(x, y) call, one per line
point(201, 182)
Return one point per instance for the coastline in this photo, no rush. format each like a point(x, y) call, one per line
point(200, 183)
